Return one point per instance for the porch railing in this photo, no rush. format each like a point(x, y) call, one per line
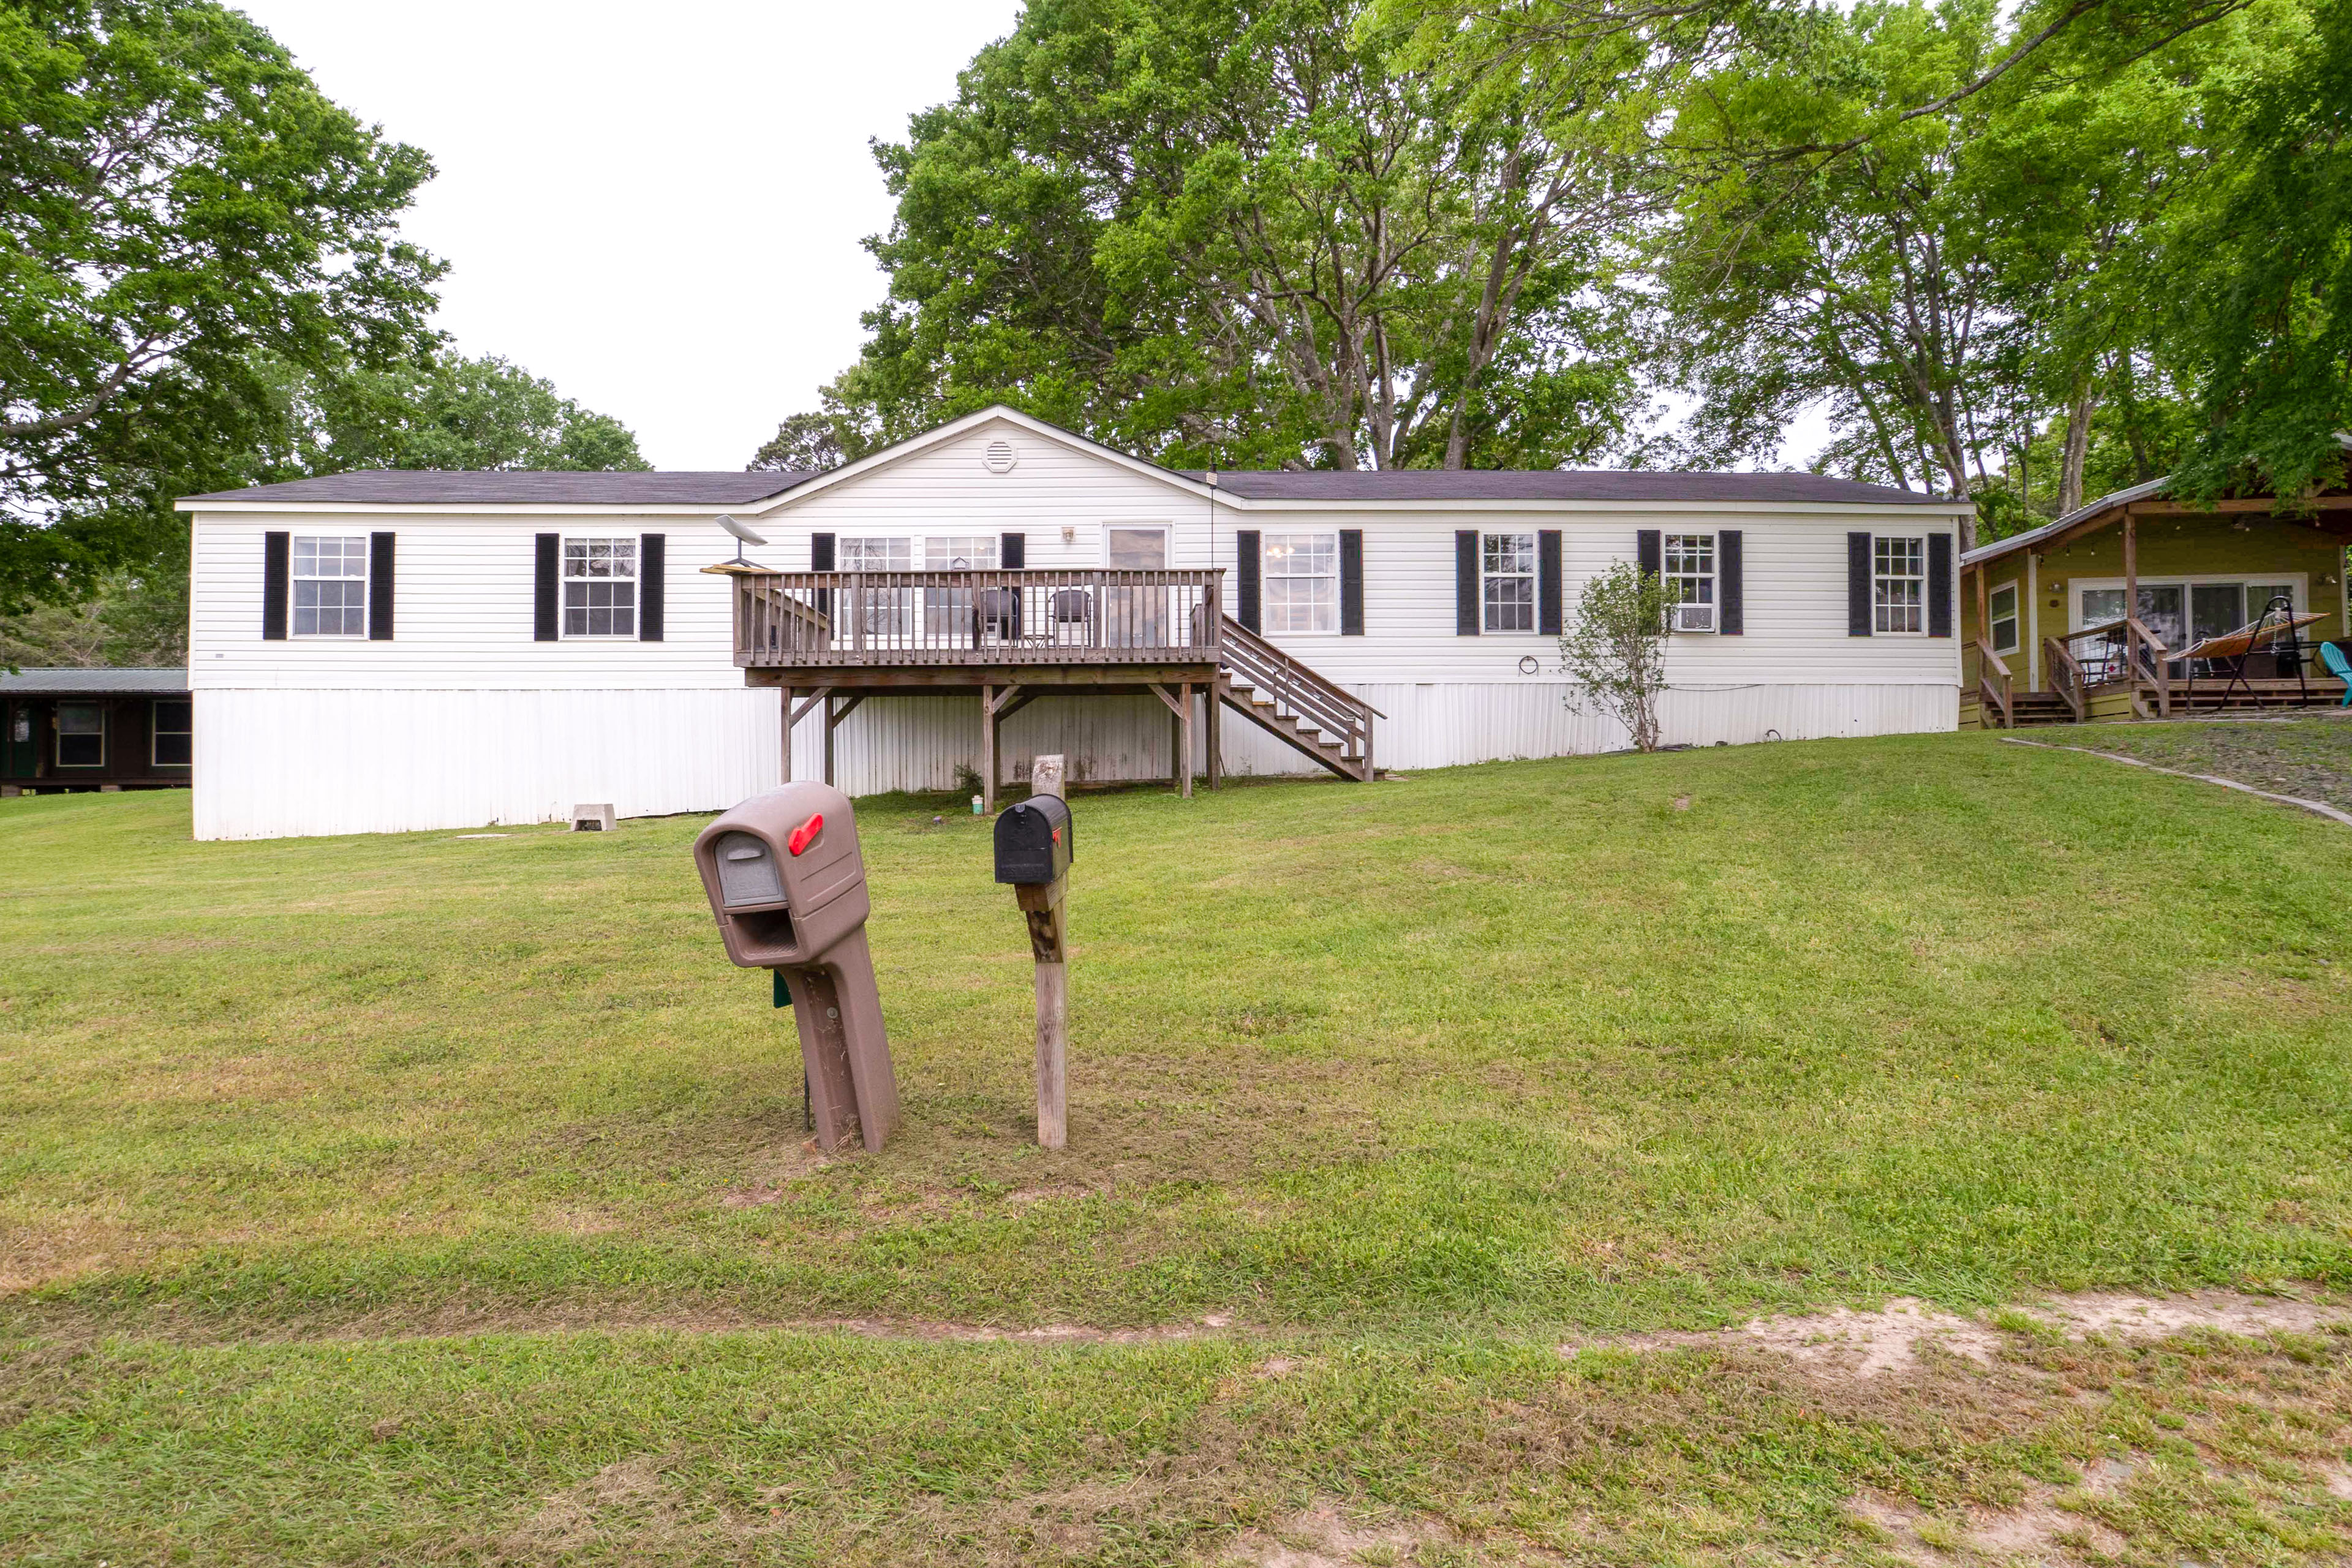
point(977, 618)
point(2066, 677)
point(2121, 650)
point(1995, 687)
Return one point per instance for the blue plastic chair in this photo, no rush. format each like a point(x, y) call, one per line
point(2340, 667)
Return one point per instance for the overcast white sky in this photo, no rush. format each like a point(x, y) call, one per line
point(658, 207)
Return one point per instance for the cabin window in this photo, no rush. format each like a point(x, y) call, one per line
point(331, 586)
point(2004, 618)
point(1898, 584)
point(599, 587)
point(1507, 588)
point(1299, 582)
point(81, 735)
point(174, 735)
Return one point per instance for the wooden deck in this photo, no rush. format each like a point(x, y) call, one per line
point(831, 639)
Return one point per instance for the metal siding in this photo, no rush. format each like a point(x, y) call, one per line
point(288, 764)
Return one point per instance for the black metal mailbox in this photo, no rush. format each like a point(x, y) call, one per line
point(1033, 842)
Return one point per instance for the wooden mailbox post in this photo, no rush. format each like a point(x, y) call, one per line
point(1033, 847)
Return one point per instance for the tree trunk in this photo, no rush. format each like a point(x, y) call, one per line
point(2078, 446)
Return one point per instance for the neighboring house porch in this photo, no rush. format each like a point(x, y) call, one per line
point(2126, 609)
point(65, 729)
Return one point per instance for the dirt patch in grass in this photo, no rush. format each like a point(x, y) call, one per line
point(1851, 1344)
point(2310, 757)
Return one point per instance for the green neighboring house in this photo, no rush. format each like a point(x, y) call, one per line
point(2046, 636)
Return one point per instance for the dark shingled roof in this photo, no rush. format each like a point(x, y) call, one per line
point(1592, 484)
point(93, 682)
point(437, 487)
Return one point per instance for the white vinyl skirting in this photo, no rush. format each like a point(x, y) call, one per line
point(283, 763)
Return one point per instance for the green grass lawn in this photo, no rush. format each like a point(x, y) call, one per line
point(485, 1140)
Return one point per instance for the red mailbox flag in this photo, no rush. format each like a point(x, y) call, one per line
point(806, 833)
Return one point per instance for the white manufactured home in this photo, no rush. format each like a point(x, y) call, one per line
point(383, 651)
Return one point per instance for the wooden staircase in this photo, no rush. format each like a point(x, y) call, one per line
point(1291, 702)
point(2040, 707)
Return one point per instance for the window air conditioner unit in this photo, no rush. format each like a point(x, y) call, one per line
point(1694, 617)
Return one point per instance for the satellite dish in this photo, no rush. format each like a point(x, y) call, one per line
point(737, 530)
point(741, 532)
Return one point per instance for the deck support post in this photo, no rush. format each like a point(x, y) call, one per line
point(996, 704)
point(988, 751)
point(833, 718)
point(786, 776)
point(1179, 733)
point(1184, 741)
point(1213, 706)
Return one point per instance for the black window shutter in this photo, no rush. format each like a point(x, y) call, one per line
point(380, 587)
point(543, 589)
point(276, 572)
point(1351, 582)
point(1012, 551)
point(1730, 582)
point(1245, 570)
point(1940, 586)
point(1857, 585)
point(1547, 614)
point(821, 559)
point(1650, 551)
point(653, 556)
point(1465, 583)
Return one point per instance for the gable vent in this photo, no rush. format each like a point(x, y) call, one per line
point(1000, 457)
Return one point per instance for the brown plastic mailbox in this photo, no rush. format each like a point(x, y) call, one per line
point(788, 886)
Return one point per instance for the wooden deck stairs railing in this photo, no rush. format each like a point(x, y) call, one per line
point(1294, 704)
point(998, 632)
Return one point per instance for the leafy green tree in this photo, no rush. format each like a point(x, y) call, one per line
point(2264, 319)
point(179, 206)
point(1615, 654)
point(803, 442)
point(1252, 234)
point(443, 411)
point(1863, 281)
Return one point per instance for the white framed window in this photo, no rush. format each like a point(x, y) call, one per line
point(329, 586)
point(599, 587)
point(81, 734)
point(2004, 616)
point(2183, 610)
point(947, 612)
point(1299, 582)
point(1689, 567)
point(172, 744)
point(1898, 584)
point(1506, 593)
point(1688, 573)
point(887, 613)
point(961, 553)
point(875, 554)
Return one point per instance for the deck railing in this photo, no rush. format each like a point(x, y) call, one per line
point(977, 618)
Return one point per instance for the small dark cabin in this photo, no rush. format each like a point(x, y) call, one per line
point(95, 729)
